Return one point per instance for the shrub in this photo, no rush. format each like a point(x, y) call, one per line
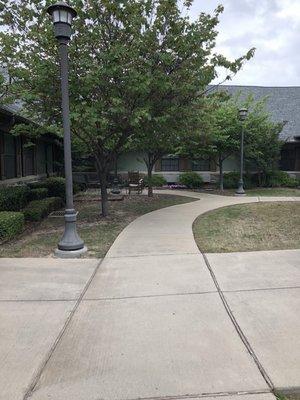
point(37, 194)
point(13, 198)
point(281, 178)
point(231, 180)
point(11, 224)
point(36, 185)
point(156, 180)
point(191, 180)
point(38, 209)
point(55, 186)
point(77, 187)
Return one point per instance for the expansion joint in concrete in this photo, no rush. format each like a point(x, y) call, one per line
point(203, 395)
point(37, 376)
point(237, 327)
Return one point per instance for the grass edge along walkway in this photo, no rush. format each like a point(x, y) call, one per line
point(249, 227)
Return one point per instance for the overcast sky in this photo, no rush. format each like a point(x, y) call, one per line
point(272, 26)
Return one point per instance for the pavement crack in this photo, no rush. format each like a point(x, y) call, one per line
point(237, 326)
point(31, 388)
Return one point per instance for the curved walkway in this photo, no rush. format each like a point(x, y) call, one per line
point(155, 322)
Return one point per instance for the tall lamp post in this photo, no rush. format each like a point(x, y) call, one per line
point(242, 115)
point(62, 15)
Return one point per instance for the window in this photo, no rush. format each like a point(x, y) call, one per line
point(28, 161)
point(202, 164)
point(170, 164)
point(10, 167)
point(288, 159)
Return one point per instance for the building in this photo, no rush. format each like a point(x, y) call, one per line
point(282, 102)
point(19, 161)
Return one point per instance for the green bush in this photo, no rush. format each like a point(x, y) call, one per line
point(13, 198)
point(11, 224)
point(156, 181)
point(36, 185)
point(191, 180)
point(36, 210)
point(37, 194)
point(55, 186)
point(231, 180)
point(77, 187)
point(281, 179)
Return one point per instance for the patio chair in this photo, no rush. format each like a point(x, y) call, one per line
point(135, 182)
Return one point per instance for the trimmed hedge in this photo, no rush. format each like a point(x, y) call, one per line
point(36, 210)
point(231, 180)
point(11, 224)
point(55, 186)
point(38, 194)
point(156, 180)
point(281, 179)
point(191, 180)
point(13, 198)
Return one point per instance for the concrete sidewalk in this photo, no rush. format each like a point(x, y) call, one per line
point(156, 320)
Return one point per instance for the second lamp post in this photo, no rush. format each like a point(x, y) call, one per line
point(242, 115)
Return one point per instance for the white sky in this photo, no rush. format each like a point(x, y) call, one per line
point(272, 26)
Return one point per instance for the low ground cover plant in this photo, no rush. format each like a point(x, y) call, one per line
point(36, 210)
point(11, 224)
point(191, 180)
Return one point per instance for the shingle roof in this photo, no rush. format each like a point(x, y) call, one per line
point(282, 102)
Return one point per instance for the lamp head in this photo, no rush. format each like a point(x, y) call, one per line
point(243, 113)
point(62, 16)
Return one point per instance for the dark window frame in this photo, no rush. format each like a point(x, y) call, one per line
point(170, 164)
point(203, 161)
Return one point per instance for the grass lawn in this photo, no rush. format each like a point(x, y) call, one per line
point(280, 192)
point(289, 397)
point(98, 233)
point(249, 227)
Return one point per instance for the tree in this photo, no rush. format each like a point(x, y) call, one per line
point(133, 66)
point(223, 129)
point(219, 136)
point(105, 81)
point(4, 88)
point(262, 141)
point(182, 64)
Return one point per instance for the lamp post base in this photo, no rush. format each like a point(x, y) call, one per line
point(240, 194)
point(70, 240)
point(240, 190)
point(70, 253)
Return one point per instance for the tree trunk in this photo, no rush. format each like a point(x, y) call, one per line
point(150, 188)
point(221, 174)
point(104, 196)
point(102, 174)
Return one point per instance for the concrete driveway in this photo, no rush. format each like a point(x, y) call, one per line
point(155, 320)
